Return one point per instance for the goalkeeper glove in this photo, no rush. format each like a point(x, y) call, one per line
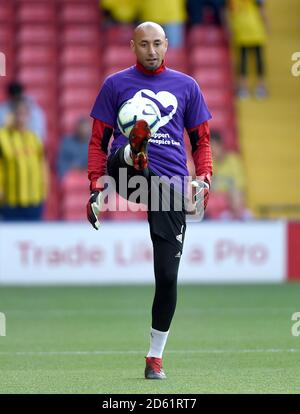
point(93, 208)
point(200, 195)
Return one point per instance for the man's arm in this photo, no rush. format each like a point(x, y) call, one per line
point(97, 155)
point(97, 159)
point(201, 153)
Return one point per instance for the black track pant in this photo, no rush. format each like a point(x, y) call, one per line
point(167, 229)
point(258, 52)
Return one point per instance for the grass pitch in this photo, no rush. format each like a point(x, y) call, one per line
point(224, 339)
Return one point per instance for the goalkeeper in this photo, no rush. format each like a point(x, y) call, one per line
point(181, 105)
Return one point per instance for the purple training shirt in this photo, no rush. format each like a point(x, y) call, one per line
point(181, 105)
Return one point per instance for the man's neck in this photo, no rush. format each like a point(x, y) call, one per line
point(156, 71)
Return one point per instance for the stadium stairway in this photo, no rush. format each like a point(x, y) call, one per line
point(269, 129)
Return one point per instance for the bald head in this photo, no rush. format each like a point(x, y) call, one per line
point(147, 27)
point(149, 44)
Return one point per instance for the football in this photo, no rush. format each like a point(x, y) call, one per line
point(136, 109)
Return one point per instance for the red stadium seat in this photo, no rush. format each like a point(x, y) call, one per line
point(118, 56)
point(6, 37)
point(35, 55)
point(213, 77)
point(176, 59)
point(218, 204)
point(35, 11)
point(36, 34)
point(74, 96)
point(70, 116)
point(222, 120)
point(80, 12)
point(80, 55)
point(80, 76)
point(206, 36)
point(36, 75)
point(6, 12)
point(202, 56)
point(74, 195)
point(118, 35)
point(217, 97)
point(44, 96)
point(80, 35)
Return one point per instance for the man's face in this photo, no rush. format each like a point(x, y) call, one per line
point(150, 46)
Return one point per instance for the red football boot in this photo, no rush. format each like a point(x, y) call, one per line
point(138, 140)
point(154, 369)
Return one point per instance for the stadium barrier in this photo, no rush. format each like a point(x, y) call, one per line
point(214, 252)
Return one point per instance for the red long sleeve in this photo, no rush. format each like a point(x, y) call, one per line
point(97, 155)
point(201, 150)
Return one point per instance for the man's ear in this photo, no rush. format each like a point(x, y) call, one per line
point(166, 44)
point(132, 45)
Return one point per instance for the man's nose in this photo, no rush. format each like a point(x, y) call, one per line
point(151, 50)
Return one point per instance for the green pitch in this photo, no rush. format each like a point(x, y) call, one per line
point(224, 339)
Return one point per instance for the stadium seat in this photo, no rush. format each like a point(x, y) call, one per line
point(118, 56)
point(176, 59)
point(82, 76)
point(80, 55)
point(203, 56)
point(69, 117)
point(118, 35)
point(206, 36)
point(214, 77)
point(79, 12)
point(218, 204)
point(73, 96)
point(35, 55)
point(80, 35)
point(36, 34)
point(217, 97)
point(6, 12)
point(6, 36)
point(35, 11)
point(45, 97)
point(222, 120)
point(36, 75)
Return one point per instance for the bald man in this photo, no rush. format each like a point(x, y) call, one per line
point(152, 156)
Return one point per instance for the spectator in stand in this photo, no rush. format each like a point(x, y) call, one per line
point(171, 15)
point(23, 173)
point(196, 11)
point(36, 118)
point(119, 11)
point(227, 199)
point(248, 25)
point(73, 153)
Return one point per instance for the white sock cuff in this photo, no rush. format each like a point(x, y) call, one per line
point(162, 333)
point(127, 156)
point(158, 341)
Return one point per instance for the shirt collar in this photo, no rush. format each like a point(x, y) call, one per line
point(157, 71)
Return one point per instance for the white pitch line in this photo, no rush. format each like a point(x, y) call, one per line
point(188, 351)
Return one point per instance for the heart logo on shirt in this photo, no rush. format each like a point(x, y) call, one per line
point(165, 101)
